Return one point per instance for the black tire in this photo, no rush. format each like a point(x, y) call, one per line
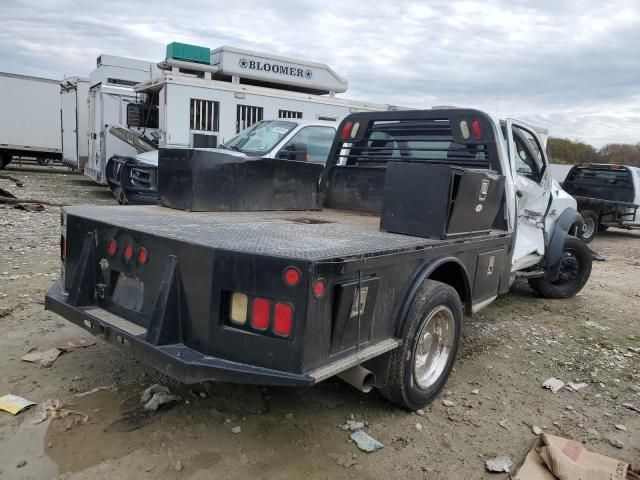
point(574, 272)
point(5, 159)
point(603, 228)
point(402, 386)
point(588, 231)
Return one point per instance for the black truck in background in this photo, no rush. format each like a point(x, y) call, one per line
point(608, 195)
point(286, 273)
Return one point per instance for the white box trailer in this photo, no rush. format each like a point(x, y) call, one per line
point(202, 105)
point(74, 98)
point(29, 118)
point(110, 92)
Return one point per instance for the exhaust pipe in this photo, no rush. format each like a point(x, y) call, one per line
point(361, 378)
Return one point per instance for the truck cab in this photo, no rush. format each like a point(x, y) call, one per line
point(608, 195)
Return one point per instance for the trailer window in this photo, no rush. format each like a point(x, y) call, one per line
point(205, 115)
point(289, 114)
point(247, 115)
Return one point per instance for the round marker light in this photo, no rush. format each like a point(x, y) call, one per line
point(112, 247)
point(143, 256)
point(128, 251)
point(292, 276)
point(319, 288)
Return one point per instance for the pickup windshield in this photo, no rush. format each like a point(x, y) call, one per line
point(260, 138)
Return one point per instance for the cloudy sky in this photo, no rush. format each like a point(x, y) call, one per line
point(571, 66)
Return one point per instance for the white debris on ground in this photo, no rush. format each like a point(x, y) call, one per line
point(553, 384)
point(499, 464)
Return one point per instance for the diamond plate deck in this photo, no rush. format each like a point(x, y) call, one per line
point(311, 236)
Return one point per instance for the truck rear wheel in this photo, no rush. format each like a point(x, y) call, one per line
point(575, 270)
point(5, 159)
point(588, 231)
point(419, 368)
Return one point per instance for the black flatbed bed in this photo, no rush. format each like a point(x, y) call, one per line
point(312, 235)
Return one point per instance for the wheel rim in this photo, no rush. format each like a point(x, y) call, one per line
point(434, 346)
point(569, 267)
point(588, 228)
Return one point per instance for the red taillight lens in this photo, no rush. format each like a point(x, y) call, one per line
point(112, 247)
point(128, 251)
point(319, 288)
point(260, 313)
point(292, 276)
point(346, 130)
point(283, 320)
point(143, 256)
point(475, 129)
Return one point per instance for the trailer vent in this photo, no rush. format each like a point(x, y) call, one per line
point(202, 140)
point(120, 81)
point(205, 115)
point(289, 114)
point(247, 115)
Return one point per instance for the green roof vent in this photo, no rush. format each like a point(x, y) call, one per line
point(188, 53)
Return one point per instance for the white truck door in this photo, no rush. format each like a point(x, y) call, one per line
point(532, 179)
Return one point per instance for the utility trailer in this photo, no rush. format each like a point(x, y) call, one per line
point(74, 103)
point(608, 195)
point(202, 98)
point(111, 92)
point(367, 274)
point(29, 118)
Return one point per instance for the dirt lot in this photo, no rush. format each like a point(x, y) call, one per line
point(509, 349)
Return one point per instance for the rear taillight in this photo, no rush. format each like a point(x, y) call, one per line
point(143, 256)
point(112, 247)
point(283, 319)
point(475, 129)
point(128, 251)
point(265, 316)
point(346, 130)
point(260, 313)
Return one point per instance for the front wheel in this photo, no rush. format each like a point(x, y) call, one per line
point(588, 230)
point(419, 368)
point(575, 270)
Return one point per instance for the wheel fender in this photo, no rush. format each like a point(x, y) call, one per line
point(566, 220)
point(425, 273)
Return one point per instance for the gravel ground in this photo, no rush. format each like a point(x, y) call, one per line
point(496, 392)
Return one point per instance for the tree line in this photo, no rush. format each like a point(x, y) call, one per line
point(562, 150)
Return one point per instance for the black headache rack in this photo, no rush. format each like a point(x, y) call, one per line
point(432, 174)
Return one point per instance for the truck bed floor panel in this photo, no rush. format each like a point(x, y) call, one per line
point(302, 235)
